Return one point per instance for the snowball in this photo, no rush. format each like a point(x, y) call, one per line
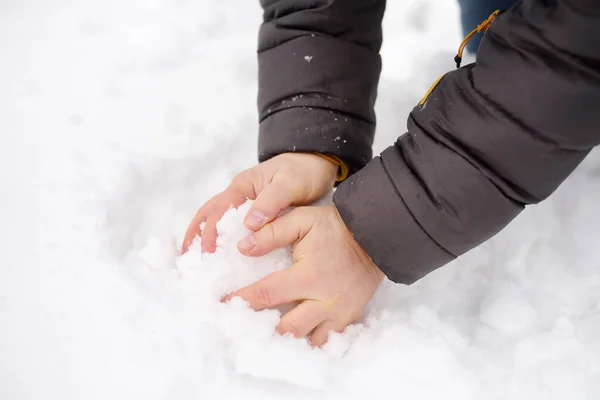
point(227, 269)
point(95, 302)
point(383, 344)
point(255, 349)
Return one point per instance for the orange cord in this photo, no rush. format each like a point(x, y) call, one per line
point(483, 27)
point(424, 99)
point(344, 169)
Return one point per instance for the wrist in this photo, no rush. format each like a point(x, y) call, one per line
point(327, 167)
point(366, 260)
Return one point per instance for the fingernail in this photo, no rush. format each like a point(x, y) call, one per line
point(247, 243)
point(256, 219)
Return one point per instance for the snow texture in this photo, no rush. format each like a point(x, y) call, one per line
point(118, 119)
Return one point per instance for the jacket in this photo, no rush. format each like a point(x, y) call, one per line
point(490, 139)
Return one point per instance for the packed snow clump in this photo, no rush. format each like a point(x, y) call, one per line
point(382, 343)
point(119, 119)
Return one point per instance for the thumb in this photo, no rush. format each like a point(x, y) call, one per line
point(284, 231)
point(274, 198)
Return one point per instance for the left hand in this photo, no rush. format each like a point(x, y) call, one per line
point(332, 276)
point(289, 179)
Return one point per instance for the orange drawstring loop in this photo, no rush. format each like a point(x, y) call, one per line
point(483, 27)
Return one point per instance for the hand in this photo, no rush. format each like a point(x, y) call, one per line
point(289, 179)
point(332, 277)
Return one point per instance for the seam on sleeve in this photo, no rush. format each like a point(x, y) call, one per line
point(385, 168)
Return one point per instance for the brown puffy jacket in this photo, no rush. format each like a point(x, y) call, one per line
point(491, 138)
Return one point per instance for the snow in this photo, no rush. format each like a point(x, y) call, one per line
point(120, 118)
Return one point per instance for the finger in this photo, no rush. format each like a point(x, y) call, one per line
point(278, 288)
point(281, 232)
point(274, 198)
point(241, 188)
point(320, 335)
point(231, 197)
point(208, 240)
point(302, 319)
point(191, 234)
point(194, 229)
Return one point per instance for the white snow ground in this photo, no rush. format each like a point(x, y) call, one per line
point(119, 118)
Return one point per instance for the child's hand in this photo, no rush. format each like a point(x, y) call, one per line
point(289, 179)
point(333, 278)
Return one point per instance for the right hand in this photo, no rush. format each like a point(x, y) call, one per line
point(289, 179)
point(330, 282)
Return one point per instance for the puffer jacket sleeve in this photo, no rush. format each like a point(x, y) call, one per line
point(492, 138)
point(319, 68)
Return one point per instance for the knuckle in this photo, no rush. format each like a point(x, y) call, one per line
point(199, 213)
point(244, 181)
point(294, 184)
point(263, 295)
point(213, 209)
point(239, 179)
point(304, 217)
point(266, 234)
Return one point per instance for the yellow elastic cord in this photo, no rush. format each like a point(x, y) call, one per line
point(344, 169)
point(483, 27)
point(424, 99)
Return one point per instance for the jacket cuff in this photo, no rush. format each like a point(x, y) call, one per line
point(374, 211)
point(314, 130)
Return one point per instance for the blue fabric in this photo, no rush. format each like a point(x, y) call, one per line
point(474, 12)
